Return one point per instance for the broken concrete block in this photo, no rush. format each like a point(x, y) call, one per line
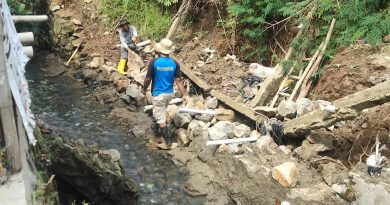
point(241, 131)
point(286, 174)
point(287, 108)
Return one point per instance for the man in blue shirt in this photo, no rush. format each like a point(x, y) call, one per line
point(162, 73)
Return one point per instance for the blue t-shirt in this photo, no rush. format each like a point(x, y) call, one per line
point(163, 71)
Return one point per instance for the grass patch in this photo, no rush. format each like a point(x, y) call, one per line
point(150, 18)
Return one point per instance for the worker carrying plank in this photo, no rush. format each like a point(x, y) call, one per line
point(127, 36)
point(162, 73)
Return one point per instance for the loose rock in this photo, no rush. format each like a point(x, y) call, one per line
point(182, 120)
point(241, 131)
point(121, 85)
point(270, 112)
point(221, 130)
point(319, 193)
point(286, 174)
point(211, 103)
point(287, 109)
point(197, 129)
point(133, 91)
point(182, 137)
point(225, 115)
point(304, 106)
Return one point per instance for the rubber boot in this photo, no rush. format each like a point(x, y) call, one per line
point(167, 136)
point(121, 66)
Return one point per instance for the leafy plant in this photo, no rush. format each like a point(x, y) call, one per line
point(367, 20)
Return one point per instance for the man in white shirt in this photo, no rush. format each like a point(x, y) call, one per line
point(127, 36)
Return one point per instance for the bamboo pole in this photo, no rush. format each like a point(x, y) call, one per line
point(281, 87)
point(306, 88)
point(299, 83)
point(7, 114)
point(269, 87)
point(181, 15)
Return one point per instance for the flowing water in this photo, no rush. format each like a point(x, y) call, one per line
point(64, 103)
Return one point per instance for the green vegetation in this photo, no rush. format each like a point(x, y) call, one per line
point(260, 20)
point(21, 7)
point(152, 18)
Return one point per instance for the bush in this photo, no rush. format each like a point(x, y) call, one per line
point(367, 20)
point(152, 18)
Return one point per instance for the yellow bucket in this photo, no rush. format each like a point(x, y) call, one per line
point(121, 66)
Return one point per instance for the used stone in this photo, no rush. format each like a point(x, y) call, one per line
point(225, 149)
point(211, 103)
point(319, 193)
point(121, 85)
point(304, 106)
point(89, 75)
point(133, 91)
point(182, 120)
point(171, 110)
point(106, 95)
point(87, 1)
point(54, 7)
point(113, 153)
point(204, 117)
point(199, 105)
point(141, 100)
point(221, 130)
point(286, 174)
point(250, 166)
point(126, 98)
point(309, 150)
point(241, 131)
point(333, 173)
point(285, 150)
point(287, 109)
point(138, 132)
point(225, 115)
point(96, 62)
point(76, 22)
point(270, 112)
point(369, 193)
point(197, 185)
point(182, 137)
point(263, 142)
point(261, 71)
point(197, 129)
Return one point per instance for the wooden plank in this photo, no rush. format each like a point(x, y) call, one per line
point(246, 111)
point(7, 113)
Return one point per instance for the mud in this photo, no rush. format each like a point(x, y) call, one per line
point(352, 70)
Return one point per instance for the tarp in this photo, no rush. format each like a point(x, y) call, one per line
point(16, 61)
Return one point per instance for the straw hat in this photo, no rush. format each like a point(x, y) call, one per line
point(165, 46)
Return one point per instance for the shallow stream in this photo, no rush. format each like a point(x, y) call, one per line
point(64, 103)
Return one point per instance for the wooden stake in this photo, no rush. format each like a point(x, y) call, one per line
point(7, 114)
point(181, 15)
point(306, 88)
point(299, 83)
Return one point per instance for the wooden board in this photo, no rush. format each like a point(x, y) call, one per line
point(246, 111)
